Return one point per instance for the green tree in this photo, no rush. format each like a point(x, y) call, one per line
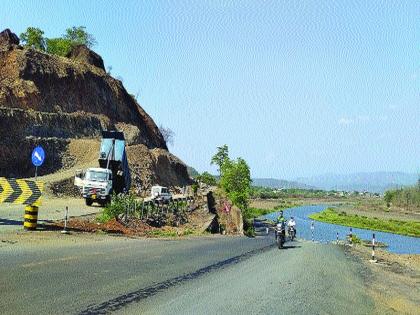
point(220, 158)
point(207, 178)
point(33, 37)
point(236, 181)
point(389, 196)
point(79, 36)
point(58, 46)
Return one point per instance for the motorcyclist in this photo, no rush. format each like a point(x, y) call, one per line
point(292, 224)
point(281, 220)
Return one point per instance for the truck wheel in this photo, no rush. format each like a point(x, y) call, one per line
point(88, 202)
point(105, 202)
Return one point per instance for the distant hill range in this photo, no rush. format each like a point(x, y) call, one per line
point(192, 172)
point(279, 183)
point(368, 181)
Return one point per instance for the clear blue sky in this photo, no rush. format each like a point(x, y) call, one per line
point(297, 88)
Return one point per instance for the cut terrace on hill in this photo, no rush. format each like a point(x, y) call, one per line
point(52, 101)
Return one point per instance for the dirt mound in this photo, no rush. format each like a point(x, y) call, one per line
point(155, 167)
point(135, 227)
point(148, 168)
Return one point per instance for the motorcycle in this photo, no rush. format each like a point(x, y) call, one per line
point(280, 235)
point(292, 232)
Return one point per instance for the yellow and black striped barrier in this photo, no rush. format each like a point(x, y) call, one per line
point(23, 191)
point(31, 217)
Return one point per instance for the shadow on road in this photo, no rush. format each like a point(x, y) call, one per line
point(43, 225)
point(291, 246)
point(10, 222)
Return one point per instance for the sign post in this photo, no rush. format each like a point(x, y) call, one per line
point(38, 157)
point(66, 217)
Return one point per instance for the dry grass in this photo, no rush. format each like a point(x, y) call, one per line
point(375, 207)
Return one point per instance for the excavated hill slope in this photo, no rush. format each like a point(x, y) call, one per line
point(52, 100)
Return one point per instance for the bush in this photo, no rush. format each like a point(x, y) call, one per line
point(59, 46)
point(249, 227)
point(207, 178)
point(34, 37)
point(355, 239)
point(194, 188)
point(236, 182)
point(118, 206)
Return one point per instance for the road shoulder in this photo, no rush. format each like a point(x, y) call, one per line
point(393, 282)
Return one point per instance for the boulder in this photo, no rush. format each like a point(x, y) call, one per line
point(83, 54)
point(8, 40)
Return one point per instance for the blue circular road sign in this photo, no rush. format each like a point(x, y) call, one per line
point(38, 156)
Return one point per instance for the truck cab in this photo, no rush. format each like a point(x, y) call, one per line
point(161, 193)
point(97, 186)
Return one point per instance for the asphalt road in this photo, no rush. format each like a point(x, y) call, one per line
point(209, 275)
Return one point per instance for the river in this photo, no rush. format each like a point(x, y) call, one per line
point(326, 232)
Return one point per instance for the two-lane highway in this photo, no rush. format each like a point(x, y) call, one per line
point(197, 275)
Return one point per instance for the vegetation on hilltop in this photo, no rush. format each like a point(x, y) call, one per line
point(34, 37)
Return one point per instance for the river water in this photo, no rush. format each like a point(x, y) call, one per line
point(326, 232)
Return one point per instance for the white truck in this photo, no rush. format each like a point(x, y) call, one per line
point(113, 174)
point(161, 193)
point(95, 185)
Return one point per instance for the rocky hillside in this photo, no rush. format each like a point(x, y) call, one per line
point(49, 100)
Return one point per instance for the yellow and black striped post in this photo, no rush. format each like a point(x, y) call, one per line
point(23, 191)
point(31, 218)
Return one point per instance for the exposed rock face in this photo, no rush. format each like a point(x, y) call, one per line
point(8, 40)
point(83, 54)
point(21, 130)
point(49, 99)
point(30, 79)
